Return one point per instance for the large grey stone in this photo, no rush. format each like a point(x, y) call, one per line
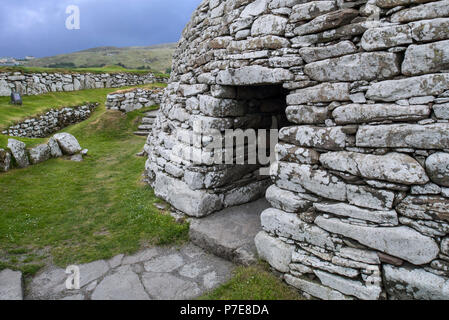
point(230, 233)
point(39, 154)
point(331, 138)
point(401, 242)
point(326, 92)
point(68, 143)
point(395, 3)
point(441, 111)
point(5, 90)
point(386, 37)
point(430, 30)
point(437, 166)
point(364, 113)
point(370, 198)
point(394, 90)
point(311, 10)
point(122, 285)
point(55, 151)
point(253, 75)
point(306, 114)
point(215, 107)
point(432, 136)
point(320, 53)
point(197, 203)
point(385, 218)
point(424, 208)
point(19, 152)
point(5, 160)
point(354, 67)
point(414, 284)
point(286, 200)
point(314, 289)
point(291, 153)
point(290, 226)
point(327, 21)
point(169, 287)
point(393, 167)
point(269, 24)
point(430, 10)
point(277, 253)
point(426, 58)
point(11, 285)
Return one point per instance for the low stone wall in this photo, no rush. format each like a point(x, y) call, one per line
point(39, 83)
point(134, 99)
point(51, 122)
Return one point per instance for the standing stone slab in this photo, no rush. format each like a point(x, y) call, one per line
point(401, 242)
point(5, 160)
point(68, 143)
point(426, 58)
point(11, 285)
point(55, 151)
point(39, 154)
point(437, 166)
point(360, 66)
point(19, 152)
point(433, 136)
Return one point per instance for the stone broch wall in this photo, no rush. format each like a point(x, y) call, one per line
point(359, 192)
point(39, 83)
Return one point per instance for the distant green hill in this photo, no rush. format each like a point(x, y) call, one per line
point(157, 58)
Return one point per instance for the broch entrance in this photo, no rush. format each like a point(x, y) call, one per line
point(360, 196)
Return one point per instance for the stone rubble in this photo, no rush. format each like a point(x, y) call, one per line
point(359, 91)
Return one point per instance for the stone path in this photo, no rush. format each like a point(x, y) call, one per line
point(147, 123)
point(230, 233)
point(159, 273)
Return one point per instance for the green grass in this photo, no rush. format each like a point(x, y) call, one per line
point(35, 105)
point(253, 283)
point(157, 58)
point(97, 70)
point(65, 212)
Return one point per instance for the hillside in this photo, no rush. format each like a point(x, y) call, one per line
point(157, 58)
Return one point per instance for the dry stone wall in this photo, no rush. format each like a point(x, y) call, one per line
point(40, 83)
point(134, 99)
point(360, 188)
point(50, 122)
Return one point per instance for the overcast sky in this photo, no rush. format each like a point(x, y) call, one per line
point(38, 27)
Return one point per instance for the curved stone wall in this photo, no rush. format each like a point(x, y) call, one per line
point(359, 191)
point(40, 83)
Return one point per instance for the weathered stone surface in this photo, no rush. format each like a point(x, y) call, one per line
point(314, 289)
point(319, 182)
point(430, 10)
point(169, 287)
point(393, 167)
point(311, 10)
point(291, 153)
point(290, 226)
point(277, 253)
point(55, 151)
point(370, 198)
point(48, 283)
point(269, 24)
point(68, 143)
point(258, 43)
point(320, 53)
point(306, 114)
point(193, 202)
point(430, 188)
point(255, 8)
point(329, 138)
point(349, 287)
point(385, 218)
point(354, 67)
point(326, 92)
point(286, 200)
point(395, 3)
point(5, 160)
point(39, 154)
point(432, 136)
point(254, 75)
point(430, 30)
point(426, 58)
point(327, 21)
point(164, 263)
point(402, 242)
point(386, 37)
point(364, 113)
point(415, 284)
point(122, 285)
point(304, 258)
point(424, 207)
point(441, 111)
point(10, 285)
point(92, 271)
point(365, 256)
point(438, 168)
point(215, 107)
point(18, 152)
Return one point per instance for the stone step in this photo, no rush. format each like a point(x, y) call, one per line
point(142, 133)
point(230, 233)
point(151, 114)
point(147, 120)
point(145, 127)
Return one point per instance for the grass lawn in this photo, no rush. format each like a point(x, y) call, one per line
point(65, 212)
point(254, 283)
